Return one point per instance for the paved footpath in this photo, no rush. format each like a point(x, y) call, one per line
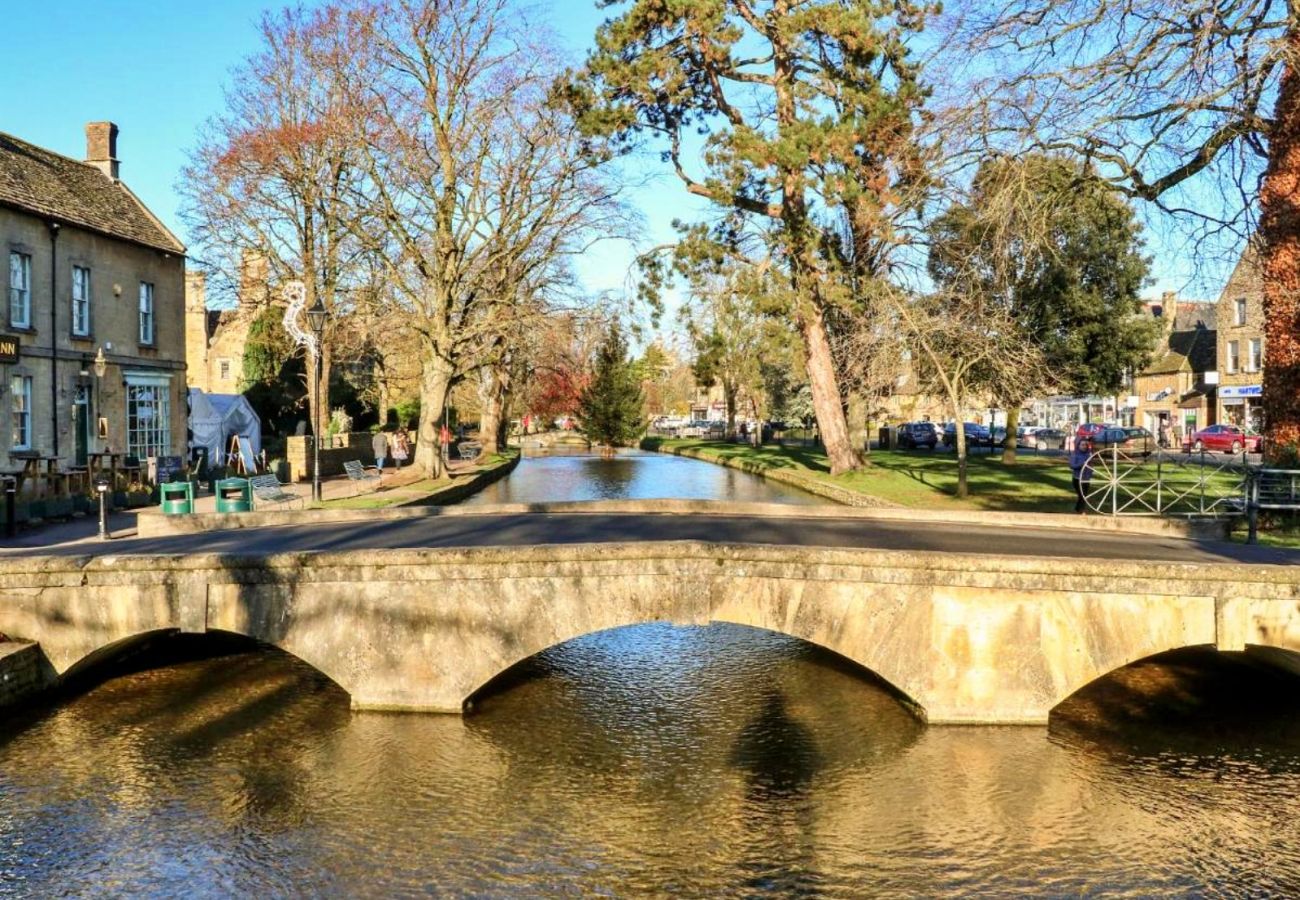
point(528, 529)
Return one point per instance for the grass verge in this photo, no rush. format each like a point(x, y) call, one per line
point(919, 479)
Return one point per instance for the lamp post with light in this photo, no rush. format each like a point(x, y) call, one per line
point(100, 367)
point(316, 317)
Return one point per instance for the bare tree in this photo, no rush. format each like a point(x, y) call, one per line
point(1191, 105)
point(477, 181)
point(275, 173)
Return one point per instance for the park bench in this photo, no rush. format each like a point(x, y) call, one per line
point(469, 450)
point(1271, 489)
point(268, 489)
point(357, 473)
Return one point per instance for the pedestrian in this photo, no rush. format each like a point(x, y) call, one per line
point(1166, 435)
point(401, 447)
point(380, 444)
point(1081, 473)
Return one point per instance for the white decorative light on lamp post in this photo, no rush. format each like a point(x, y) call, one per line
point(295, 295)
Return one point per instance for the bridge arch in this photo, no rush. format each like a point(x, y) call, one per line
point(507, 677)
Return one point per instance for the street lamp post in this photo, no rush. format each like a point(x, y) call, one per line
point(100, 367)
point(316, 317)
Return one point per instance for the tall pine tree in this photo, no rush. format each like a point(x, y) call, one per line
point(610, 405)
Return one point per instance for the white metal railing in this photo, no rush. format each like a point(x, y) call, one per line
point(1189, 484)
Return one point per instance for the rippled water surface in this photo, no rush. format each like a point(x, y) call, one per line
point(632, 475)
point(654, 760)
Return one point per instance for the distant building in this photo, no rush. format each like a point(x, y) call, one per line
point(1241, 345)
point(216, 339)
point(90, 270)
point(1177, 389)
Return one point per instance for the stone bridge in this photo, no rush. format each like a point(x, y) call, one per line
point(967, 639)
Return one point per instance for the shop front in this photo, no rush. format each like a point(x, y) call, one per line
point(1240, 405)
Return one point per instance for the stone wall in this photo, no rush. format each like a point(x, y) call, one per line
point(24, 673)
point(344, 447)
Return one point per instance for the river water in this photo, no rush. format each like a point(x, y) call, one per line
point(653, 760)
point(631, 475)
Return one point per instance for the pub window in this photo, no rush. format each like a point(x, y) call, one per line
point(20, 290)
point(148, 421)
point(1256, 354)
point(1234, 357)
point(80, 301)
point(20, 387)
point(146, 313)
point(1239, 312)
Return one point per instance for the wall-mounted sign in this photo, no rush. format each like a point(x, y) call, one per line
point(8, 348)
point(1241, 390)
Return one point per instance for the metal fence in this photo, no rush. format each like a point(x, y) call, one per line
point(1189, 485)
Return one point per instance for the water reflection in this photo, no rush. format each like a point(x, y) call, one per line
point(632, 475)
point(717, 761)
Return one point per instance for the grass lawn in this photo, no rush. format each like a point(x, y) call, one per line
point(920, 478)
point(388, 497)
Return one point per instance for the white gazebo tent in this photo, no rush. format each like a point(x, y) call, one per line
point(216, 418)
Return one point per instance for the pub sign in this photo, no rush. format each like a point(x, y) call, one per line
point(8, 348)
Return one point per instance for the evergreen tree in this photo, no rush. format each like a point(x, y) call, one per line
point(803, 109)
point(610, 405)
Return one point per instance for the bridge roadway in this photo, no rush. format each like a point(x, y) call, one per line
point(518, 529)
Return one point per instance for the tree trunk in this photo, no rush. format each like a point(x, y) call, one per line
point(962, 489)
point(1279, 230)
point(1013, 425)
point(827, 405)
point(491, 396)
point(859, 436)
point(435, 383)
point(729, 398)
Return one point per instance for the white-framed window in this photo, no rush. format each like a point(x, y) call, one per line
point(1234, 358)
point(148, 416)
point(20, 389)
point(80, 300)
point(20, 290)
point(146, 313)
point(224, 367)
point(1239, 311)
point(1256, 358)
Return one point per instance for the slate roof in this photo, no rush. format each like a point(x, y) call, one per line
point(1190, 350)
point(69, 191)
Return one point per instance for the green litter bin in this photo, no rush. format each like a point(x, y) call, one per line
point(177, 498)
point(234, 495)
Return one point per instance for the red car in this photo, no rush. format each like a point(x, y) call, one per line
point(1226, 438)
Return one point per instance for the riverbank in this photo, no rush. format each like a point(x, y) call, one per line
point(916, 480)
point(432, 491)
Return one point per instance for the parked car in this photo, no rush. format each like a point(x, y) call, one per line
point(1089, 430)
point(1226, 438)
point(1049, 439)
point(918, 434)
point(1131, 441)
point(1025, 436)
point(976, 435)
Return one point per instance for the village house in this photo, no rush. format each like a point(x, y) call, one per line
point(1176, 390)
point(1241, 345)
point(92, 340)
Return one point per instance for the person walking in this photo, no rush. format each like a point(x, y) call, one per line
point(401, 447)
point(380, 445)
point(1081, 473)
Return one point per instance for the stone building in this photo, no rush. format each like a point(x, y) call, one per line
point(215, 338)
point(90, 271)
point(1241, 345)
point(1176, 390)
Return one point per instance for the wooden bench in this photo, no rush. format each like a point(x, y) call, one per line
point(357, 473)
point(268, 489)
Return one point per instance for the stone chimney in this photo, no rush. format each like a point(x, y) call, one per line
point(1169, 309)
point(254, 278)
point(101, 147)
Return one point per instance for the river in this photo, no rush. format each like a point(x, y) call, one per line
point(652, 760)
point(631, 475)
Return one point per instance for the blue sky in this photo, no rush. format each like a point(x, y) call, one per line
point(157, 68)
